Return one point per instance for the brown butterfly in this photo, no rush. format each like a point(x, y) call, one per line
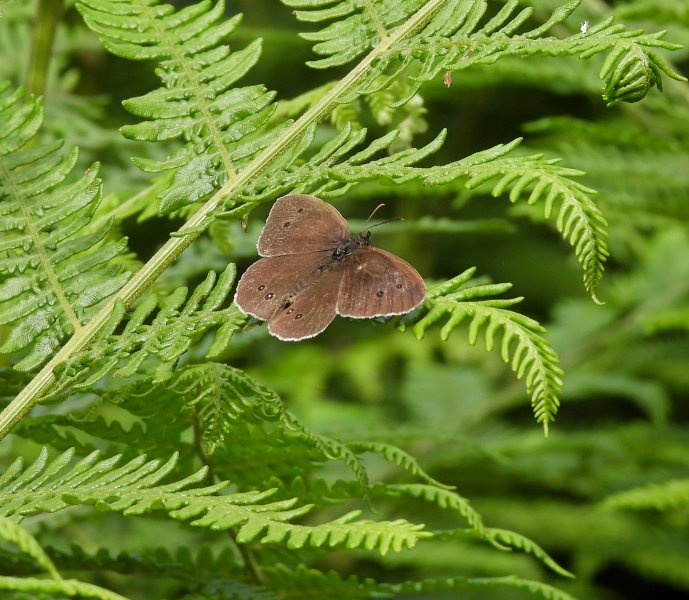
point(314, 268)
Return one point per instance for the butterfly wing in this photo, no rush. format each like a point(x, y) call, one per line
point(376, 283)
point(270, 282)
point(299, 223)
point(312, 310)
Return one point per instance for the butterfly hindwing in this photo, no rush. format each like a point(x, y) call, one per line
point(270, 282)
point(312, 309)
point(377, 283)
point(299, 223)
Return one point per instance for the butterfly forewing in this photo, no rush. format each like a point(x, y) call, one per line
point(312, 310)
point(377, 283)
point(299, 223)
point(270, 282)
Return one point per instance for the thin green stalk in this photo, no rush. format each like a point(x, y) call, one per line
point(192, 228)
point(48, 13)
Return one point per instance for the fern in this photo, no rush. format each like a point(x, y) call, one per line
point(55, 270)
point(198, 103)
point(69, 588)
point(453, 38)
point(522, 345)
point(177, 323)
point(134, 489)
point(334, 586)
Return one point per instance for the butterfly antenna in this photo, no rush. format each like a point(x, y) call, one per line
point(386, 221)
point(375, 210)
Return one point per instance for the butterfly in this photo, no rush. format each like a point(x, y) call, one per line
point(313, 269)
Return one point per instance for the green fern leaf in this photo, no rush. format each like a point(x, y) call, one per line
point(305, 581)
point(460, 583)
point(579, 220)
point(397, 456)
point(441, 497)
point(502, 537)
point(197, 104)
point(522, 346)
point(456, 34)
point(69, 588)
point(54, 269)
point(135, 489)
point(179, 321)
point(220, 395)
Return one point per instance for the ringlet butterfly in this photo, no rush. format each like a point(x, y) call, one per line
point(313, 268)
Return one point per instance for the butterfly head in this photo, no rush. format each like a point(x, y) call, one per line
point(348, 246)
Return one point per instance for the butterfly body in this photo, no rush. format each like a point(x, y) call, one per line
point(313, 268)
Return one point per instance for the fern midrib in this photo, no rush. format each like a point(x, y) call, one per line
point(513, 44)
point(169, 252)
point(42, 252)
point(192, 77)
point(375, 19)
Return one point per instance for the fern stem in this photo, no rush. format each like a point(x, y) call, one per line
point(169, 252)
point(48, 13)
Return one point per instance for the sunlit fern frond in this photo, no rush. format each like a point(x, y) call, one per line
point(522, 347)
point(458, 34)
point(135, 488)
point(55, 269)
point(198, 103)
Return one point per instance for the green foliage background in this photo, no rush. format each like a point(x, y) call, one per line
point(379, 459)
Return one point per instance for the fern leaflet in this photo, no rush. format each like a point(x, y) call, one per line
point(197, 103)
point(134, 489)
point(522, 345)
point(458, 35)
point(54, 269)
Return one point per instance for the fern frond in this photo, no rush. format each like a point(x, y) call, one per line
point(398, 457)
point(503, 537)
point(13, 534)
point(668, 495)
point(55, 269)
point(522, 346)
point(220, 395)
point(443, 498)
point(458, 34)
point(512, 582)
point(70, 588)
point(579, 220)
point(135, 489)
point(160, 328)
point(197, 104)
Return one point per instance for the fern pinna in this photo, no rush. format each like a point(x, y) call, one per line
point(143, 371)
